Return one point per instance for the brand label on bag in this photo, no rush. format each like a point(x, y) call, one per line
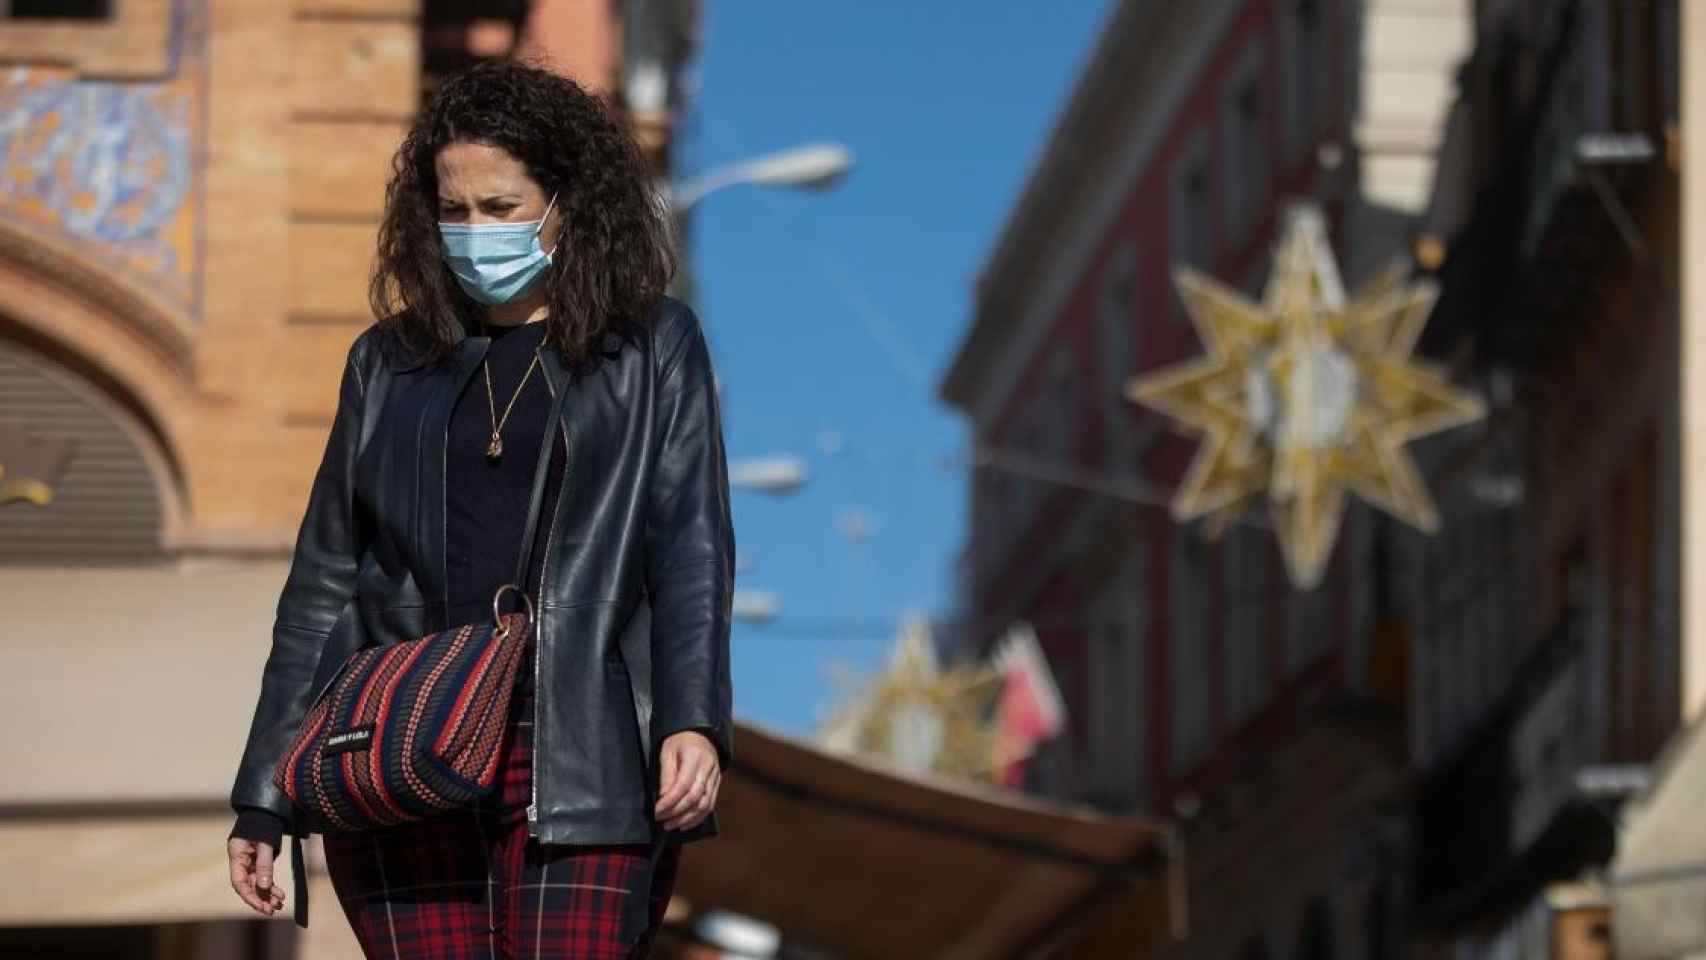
point(355, 738)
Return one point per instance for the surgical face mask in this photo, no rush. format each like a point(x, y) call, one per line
point(495, 262)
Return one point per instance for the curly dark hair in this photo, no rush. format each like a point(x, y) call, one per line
point(614, 254)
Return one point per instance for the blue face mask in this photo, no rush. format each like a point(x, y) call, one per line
point(495, 262)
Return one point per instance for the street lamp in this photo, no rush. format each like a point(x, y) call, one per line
point(742, 936)
point(812, 166)
point(777, 476)
point(756, 606)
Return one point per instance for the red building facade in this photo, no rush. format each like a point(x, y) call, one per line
point(1167, 647)
point(1199, 683)
point(1389, 764)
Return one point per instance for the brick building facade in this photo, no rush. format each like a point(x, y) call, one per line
point(187, 222)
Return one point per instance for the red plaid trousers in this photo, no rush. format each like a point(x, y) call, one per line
point(476, 886)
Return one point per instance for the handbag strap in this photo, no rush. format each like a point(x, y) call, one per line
point(535, 502)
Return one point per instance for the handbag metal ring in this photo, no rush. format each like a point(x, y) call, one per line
point(526, 601)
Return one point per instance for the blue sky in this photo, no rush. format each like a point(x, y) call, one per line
point(832, 316)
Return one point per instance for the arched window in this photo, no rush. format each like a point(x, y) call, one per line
point(95, 495)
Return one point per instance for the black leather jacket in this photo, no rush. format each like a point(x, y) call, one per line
point(638, 570)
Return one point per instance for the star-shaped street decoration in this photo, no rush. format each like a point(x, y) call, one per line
point(1305, 396)
point(921, 716)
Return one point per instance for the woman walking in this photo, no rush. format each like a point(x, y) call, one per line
point(521, 271)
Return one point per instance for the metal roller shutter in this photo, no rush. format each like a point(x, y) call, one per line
point(106, 508)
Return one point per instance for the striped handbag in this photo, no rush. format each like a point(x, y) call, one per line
point(407, 730)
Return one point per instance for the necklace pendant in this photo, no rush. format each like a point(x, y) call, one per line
point(495, 449)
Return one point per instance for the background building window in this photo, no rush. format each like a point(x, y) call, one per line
point(992, 492)
point(1116, 320)
point(1190, 223)
point(1027, 491)
point(1113, 730)
point(57, 9)
point(1043, 430)
point(1120, 685)
point(1058, 422)
point(1189, 663)
point(1120, 357)
point(1245, 562)
point(1306, 66)
point(1245, 166)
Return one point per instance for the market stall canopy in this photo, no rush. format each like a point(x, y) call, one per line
point(859, 861)
point(1659, 876)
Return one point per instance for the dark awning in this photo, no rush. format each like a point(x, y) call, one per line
point(854, 859)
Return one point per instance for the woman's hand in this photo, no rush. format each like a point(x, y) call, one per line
point(688, 780)
point(252, 875)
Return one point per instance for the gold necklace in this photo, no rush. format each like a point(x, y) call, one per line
point(495, 448)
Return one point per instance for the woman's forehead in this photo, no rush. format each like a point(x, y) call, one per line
point(481, 167)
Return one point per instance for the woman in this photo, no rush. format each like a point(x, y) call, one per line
point(522, 253)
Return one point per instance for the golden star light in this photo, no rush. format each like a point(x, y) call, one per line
point(921, 716)
point(1305, 396)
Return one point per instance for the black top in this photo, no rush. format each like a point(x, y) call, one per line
point(485, 499)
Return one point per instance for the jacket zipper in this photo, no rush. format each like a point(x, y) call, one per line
point(538, 634)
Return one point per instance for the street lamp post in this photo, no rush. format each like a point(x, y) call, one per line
point(812, 166)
